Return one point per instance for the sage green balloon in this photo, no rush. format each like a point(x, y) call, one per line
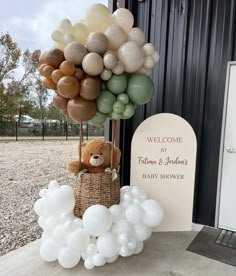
point(105, 102)
point(116, 116)
point(118, 107)
point(98, 118)
point(140, 89)
point(117, 84)
point(123, 98)
point(129, 111)
point(104, 87)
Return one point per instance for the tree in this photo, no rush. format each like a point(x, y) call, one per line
point(41, 98)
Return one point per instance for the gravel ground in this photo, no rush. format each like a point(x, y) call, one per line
point(26, 168)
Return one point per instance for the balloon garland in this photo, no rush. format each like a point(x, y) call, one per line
point(99, 67)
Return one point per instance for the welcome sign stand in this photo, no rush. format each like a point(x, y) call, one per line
point(163, 157)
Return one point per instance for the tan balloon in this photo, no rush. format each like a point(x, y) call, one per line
point(81, 110)
point(136, 35)
point(57, 75)
point(119, 69)
point(80, 32)
point(42, 58)
point(116, 36)
point(75, 52)
point(55, 57)
point(97, 43)
point(67, 68)
point(47, 71)
point(98, 18)
point(106, 74)
point(109, 60)
point(40, 69)
point(68, 87)
point(90, 88)
point(65, 112)
point(79, 74)
point(132, 56)
point(49, 84)
point(124, 18)
point(92, 64)
point(60, 102)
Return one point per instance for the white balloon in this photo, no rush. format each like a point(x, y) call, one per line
point(139, 248)
point(41, 221)
point(58, 36)
point(90, 251)
point(123, 238)
point(39, 207)
point(44, 238)
point(153, 213)
point(117, 212)
point(149, 49)
point(60, 235)
point(134, 213)
point(88, 263)
point(70, 226)
point(43, 192)
point(68, 258)
point(49, 251)
point(49, 224)
point(78, 222)
point(122, 226)
point(97, 220)
point(124, 251)
point(142, 232)
point(112, 259)
point(65, 25)
point(61, 200)
point(78, 240)
point(132, 244)
point(125, 189)
point(107, 245)
point(99, 260)
point(53, 184)
point(156, 56)
point(127, 197)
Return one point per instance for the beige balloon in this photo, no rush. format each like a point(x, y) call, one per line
point(116, 36)
point(132, 56)
point(98, 18)
point(149, 62)
point(156, 56)
point(109, 60)
point(124, 18)
point(60, 46)
point(58, 36)
point(92, 64)
point(149, 49)
point(68, 38)
point(119, 69)
point(65, 25)
point(97, 43)
point(106, 74)
point(75, 52)
point(137, 35)
point(80, 32)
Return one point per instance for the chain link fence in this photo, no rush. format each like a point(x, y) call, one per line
point(43, 131)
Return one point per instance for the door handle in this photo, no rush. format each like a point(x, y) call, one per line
point(231, 150)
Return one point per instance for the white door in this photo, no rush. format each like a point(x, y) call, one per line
point(227, 210)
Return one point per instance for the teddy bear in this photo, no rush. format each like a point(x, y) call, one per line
point(95, 157)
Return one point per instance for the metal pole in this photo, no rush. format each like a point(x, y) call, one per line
point(87, 131)
point(16, 131)
point(66, 129)
point(43, 130)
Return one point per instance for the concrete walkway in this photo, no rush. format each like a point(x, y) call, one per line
point(164, 254)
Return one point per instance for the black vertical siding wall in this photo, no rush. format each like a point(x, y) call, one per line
point(195, 39)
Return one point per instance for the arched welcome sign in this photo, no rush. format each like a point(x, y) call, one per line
point(163, 157)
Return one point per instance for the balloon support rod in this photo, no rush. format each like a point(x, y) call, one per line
point(113, 142)
point(80, 140)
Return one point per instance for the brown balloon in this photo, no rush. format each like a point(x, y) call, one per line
point(68, 87)
point(40, 69)
point(57, 75)
point(60, 102)
point(81, 110)
point(49, 84)
point(67, 68)
point(79, 74)
point(90, 88)
point(55, 57)
point(47, 71)
point(42, 58)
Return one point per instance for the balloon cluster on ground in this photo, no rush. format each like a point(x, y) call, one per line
point(102, 235)
point(99, 66)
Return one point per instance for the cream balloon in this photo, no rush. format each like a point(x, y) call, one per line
point(65, 25)
point(156, 56)
point(97, 18)
point(80, 32)
point(109, 60)
point(132, 56)
point(106, 74)
point(97, 43)
point(68, 38)
point(60, 46)
point(136, 35)
point(149, 49)
point(149, 62)
point(116, 36)
point(92, 64)
point(58, 36)
point(124, 18)
point(119, 68)
point(75, 52)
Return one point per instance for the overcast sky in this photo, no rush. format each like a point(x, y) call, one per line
point(30, 22)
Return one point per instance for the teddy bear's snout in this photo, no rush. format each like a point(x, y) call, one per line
point(95, 156)
point(96, 160)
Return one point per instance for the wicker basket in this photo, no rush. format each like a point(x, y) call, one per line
point(95, 188)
